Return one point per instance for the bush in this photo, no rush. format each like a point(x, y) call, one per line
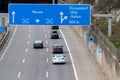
point(116, 41)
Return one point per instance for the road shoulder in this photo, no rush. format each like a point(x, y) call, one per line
point(86, 67)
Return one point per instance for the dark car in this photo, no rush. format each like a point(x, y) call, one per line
point(57, 48)
point(54, 31)
point(55, 27)
point(54, 35)
point(38, 44)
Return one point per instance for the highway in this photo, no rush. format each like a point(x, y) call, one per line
point(21, 62)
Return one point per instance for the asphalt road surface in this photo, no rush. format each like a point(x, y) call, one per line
point(21, 62)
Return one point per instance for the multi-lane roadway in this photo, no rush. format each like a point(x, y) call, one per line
point(20, 61)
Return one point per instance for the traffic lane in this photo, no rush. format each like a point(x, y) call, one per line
point(85, 68)
point(60, 72)
point(35, 66)
point(39, 33)
point(65, 70)
point(57, 41)
point(11, 63)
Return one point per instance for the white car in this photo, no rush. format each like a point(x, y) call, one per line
point(58, 58)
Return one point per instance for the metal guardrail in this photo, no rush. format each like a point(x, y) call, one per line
point(4, 38)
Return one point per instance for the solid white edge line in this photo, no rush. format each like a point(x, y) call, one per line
point(9, 43)
point(46, 74)
point(19, 75)
point(70, 55)
point(26, 50)
point(23, 60)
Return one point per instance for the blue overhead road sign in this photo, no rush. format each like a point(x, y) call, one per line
point(49, 14)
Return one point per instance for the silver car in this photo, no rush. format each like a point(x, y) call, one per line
point(58, 58)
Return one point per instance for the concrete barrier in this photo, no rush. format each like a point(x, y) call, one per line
point(5, 35)
point(4, 38)
point(106, 60)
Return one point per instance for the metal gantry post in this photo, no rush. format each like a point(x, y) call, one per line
point(109, 25)
point(109, 21)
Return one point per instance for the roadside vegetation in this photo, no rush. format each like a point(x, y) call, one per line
point(105, 7)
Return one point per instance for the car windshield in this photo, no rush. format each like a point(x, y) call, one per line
point(39, 41)
point(54, 26)
point(57, 46)
point(58, 55)
point(54, 31)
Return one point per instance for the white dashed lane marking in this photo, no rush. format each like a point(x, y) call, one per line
point(19, 74)
point(46, 42)
point(44, 30)
point(46, 36)
point(46, 74)
point(28, 42)
point(26, 50)
point(23, 60)
point(29, 35)
point(47, 60)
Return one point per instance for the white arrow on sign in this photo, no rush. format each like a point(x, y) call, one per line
point(13, 16)
point(62, 17)
point(37, 20)
point(61, 13)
